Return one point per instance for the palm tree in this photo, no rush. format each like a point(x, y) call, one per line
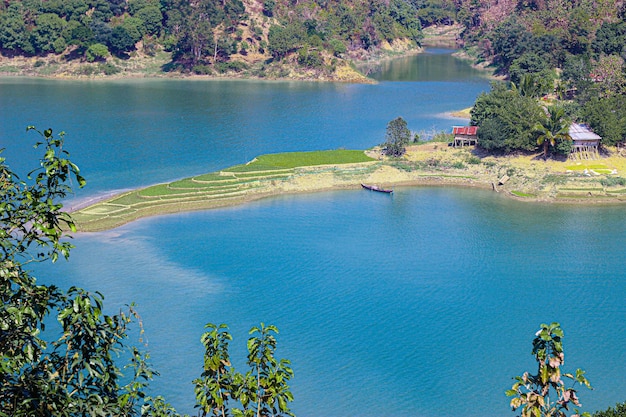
point(554, 127)
point(528, 86)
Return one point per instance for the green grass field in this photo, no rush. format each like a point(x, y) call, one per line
point(301, 159)
point(208, 190)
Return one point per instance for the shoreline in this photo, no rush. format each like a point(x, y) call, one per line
point(143, 67)
point(434, 165)
point(354, 69)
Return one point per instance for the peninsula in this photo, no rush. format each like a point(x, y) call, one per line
point(523, 176)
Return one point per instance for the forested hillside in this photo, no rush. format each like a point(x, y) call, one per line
point(571, 53)
point(535, 36)
point(208, 36)
point(575, 45)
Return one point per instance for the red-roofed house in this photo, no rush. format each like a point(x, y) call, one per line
point(464, 135)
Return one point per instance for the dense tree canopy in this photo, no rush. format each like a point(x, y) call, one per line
point(564, 51)
point(209, 32)
point(607, 117)
point(506, 119)
point(518, 37)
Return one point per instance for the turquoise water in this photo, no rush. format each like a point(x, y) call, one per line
point(423, 303)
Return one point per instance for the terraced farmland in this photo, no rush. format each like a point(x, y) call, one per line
point(261, 177)
point(529, 178)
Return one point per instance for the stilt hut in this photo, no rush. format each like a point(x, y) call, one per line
point(464, 135)
point(585, 143)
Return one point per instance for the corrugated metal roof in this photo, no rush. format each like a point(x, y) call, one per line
point(465, 130)
point(582, 132)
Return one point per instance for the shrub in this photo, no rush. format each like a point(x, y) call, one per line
point(244, 46)
point(202, 70)
point(613, 181)
point(337, 47)
point(149, 47)
point(86, 70)
point(442, 137)
point(268, 7)
point(97, 52)
point(310, 59)
point(169, 43)
point(108, 69)
point(618, 411)
point(236, 66)
point(473, 160)
point(563, 147)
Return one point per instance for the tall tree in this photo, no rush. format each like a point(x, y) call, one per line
point(506, 120)
point(397, 137)
point(262, 391)
point(269, 375)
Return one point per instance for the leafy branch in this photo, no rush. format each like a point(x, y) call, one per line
point(532, 393)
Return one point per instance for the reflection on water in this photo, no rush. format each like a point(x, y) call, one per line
point(439, 66)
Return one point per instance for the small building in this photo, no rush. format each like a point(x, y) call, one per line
point(464, 135)
point(585, 143)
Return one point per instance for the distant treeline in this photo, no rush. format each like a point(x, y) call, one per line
point(583, 39)
point(205, 34)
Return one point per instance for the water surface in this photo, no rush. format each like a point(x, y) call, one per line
point(420, 304)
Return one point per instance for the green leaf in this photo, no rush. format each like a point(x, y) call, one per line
point(544, 374)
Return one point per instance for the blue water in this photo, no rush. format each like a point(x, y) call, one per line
point(423, 303)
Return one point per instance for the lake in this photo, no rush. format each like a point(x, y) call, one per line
point(423, 303)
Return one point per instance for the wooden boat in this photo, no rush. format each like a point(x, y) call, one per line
point(375, 188)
